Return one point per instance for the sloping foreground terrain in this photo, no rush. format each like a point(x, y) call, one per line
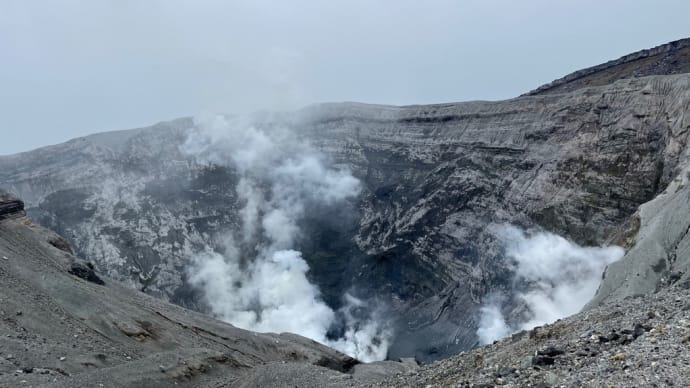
point(640, 341)
point(61, 324)
point(635, 333)
point(576, 158)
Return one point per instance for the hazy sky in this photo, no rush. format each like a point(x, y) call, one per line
point(69, 68)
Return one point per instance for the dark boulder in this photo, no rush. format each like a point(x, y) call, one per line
point(550, 351)
point(85, 271)
point(10, 205)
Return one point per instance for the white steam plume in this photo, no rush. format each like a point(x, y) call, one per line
point(492, 325)
point(259, 282)
point(562, 277)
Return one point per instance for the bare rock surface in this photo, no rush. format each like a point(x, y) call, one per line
point(633, 342)
point(578, 164)
point(57, 329)
point(669, 58)
point(660, 255)
point(10, 206)
point(578, 159)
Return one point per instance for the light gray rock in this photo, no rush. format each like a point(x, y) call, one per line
point(10, 206)
point(435, 178)
point(660, 250)
point(76, 333)
point(577, 160)
point(669, 58)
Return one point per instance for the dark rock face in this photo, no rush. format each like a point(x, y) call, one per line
point(10, 206)
point(669, 58)
point(439, 175)
point(659, 256)
point(435, 177)
point(86, 272)
point(60, 243)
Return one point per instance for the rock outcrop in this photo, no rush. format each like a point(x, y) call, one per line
point(660, 254)
point(577, 159)
point(10, 206)
point(669, 58)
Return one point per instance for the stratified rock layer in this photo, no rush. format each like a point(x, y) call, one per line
point(669, 58)
point(10, 206)
point(57, 329)
point(660, 253)
point(577, 161)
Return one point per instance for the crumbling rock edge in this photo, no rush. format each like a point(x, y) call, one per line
point(635, 341)
point(10, 206)
point(660, 51)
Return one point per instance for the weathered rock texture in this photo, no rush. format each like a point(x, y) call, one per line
point(669, 58)
point(636, 342)
point(60, 330)
point(660, 255)
point(577, 160)
point(10, 206)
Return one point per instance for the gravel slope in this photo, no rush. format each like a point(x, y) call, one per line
point(635, 342)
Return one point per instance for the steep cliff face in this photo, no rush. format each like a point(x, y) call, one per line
point(10, 206)
point(659, 255)
point(59, 328)
point(435, 179)
point(577, 164)
point(640, 341)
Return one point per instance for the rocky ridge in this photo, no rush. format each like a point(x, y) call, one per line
point(660, 253)
point(577, 162)
point(669, 58)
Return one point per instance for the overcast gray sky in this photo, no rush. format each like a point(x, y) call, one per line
point(69, 68)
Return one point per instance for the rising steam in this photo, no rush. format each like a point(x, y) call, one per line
point(561, 277)
point(259, 282)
